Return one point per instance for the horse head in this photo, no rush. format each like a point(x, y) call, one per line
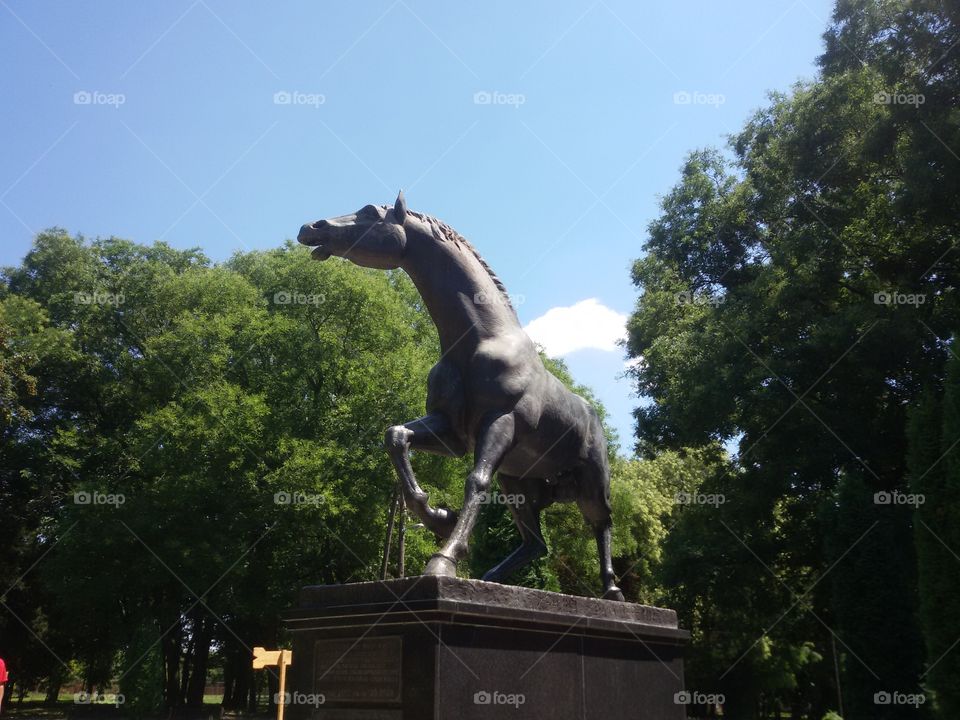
point(374, 236)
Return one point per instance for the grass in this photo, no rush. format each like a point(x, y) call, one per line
point(34, 707)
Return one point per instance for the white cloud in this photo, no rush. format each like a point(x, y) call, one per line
point(586, 324)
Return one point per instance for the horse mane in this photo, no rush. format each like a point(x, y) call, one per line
point(443, 232)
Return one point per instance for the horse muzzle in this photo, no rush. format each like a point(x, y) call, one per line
point(313, 235)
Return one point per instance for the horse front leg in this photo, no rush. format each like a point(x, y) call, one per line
point(431, 433)
point(494, 440)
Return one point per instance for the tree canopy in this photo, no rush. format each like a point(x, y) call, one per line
point(798, 292)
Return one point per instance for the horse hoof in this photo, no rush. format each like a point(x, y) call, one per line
point(441, 565)
point(613, 593)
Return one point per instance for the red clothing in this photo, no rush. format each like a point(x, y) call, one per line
point(3, 671)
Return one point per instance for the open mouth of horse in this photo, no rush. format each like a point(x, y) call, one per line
point(310, 237)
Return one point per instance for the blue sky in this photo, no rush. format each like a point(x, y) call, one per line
point(542, 131)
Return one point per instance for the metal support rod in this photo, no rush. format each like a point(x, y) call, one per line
point(388, 541)
point(402, 540)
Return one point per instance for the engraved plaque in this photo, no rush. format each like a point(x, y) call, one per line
point(359, 670)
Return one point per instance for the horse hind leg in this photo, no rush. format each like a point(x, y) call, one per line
point(594, 504)
point(525, 504)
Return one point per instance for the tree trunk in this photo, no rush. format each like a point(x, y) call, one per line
point(240, 675)
point(252, 703)
point(171, 669)
point(53, 685)
point(201, 657)
point(228, 682)
point(185, 670)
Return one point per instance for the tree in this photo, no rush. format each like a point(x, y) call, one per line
point(873, 618)
point(795, 294)
point(935, 478)
point(31, 481)
point(208, 438)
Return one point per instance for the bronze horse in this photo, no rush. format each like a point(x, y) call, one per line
point(489, 393)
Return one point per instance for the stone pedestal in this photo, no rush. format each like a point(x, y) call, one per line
point(434, 648)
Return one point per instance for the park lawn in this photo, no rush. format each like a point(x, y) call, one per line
point(34, 707)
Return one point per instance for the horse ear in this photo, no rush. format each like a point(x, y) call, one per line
point(400, 208)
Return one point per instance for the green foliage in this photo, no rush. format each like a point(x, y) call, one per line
point(142, 685)
point(193, 443)
point(648, 498)
point(934, 468)
point(873, 618)
point(761, 322)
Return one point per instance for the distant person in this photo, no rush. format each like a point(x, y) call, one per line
point(3, 681)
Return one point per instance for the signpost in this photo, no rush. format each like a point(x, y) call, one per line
point(263, 657)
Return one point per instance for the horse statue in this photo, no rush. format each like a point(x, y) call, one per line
point(489, 393)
